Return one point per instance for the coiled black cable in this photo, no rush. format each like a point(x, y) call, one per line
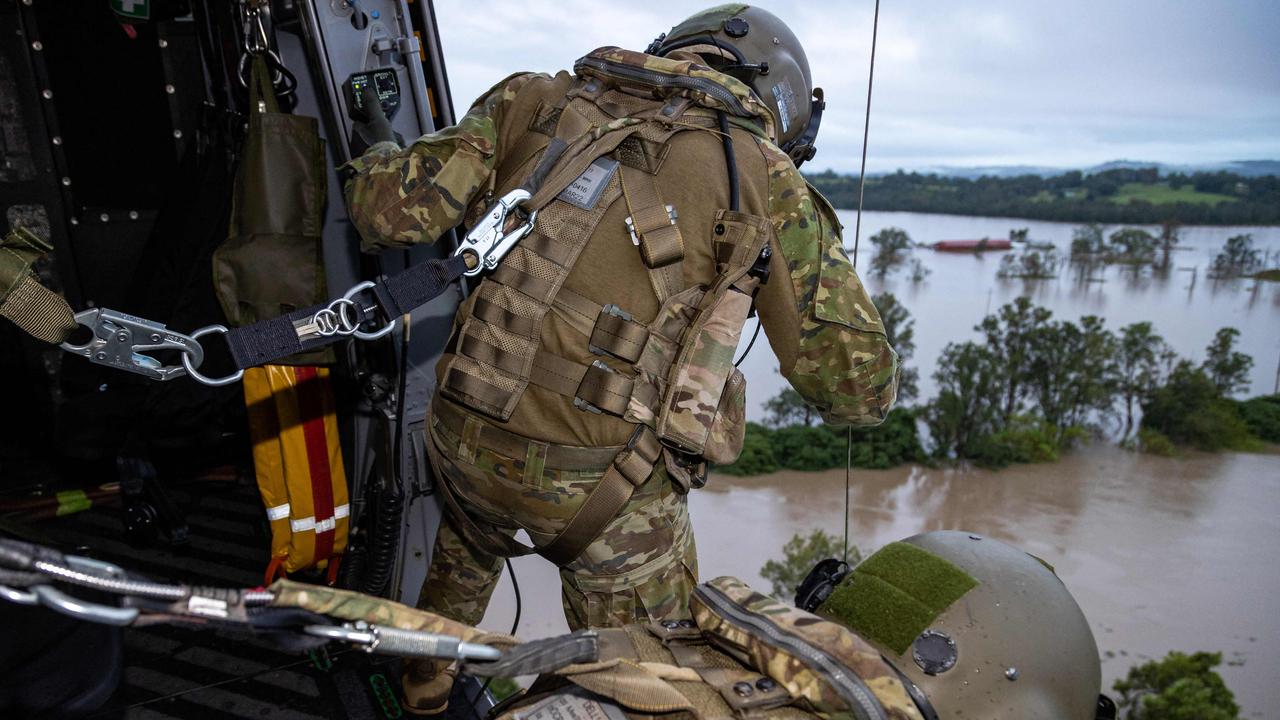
point(384, 541)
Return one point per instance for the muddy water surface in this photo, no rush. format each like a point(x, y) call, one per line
point(1162, 554)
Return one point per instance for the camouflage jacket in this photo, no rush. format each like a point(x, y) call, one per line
point(827, 335)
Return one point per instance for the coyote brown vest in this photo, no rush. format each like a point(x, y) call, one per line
point(642, 184)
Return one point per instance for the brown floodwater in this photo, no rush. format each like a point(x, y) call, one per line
point(1161, 553)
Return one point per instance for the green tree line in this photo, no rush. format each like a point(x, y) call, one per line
point(1030, 387)
point(1071, 196)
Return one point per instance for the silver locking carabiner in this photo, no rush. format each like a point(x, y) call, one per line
point(489, 241)
point(122, 341)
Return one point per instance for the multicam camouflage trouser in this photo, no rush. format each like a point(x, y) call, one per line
point(642, 566)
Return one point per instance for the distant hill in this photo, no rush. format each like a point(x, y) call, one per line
point(1116, 192)
point(1243, 168)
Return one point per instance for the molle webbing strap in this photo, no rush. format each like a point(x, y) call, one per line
point(39, 311)
point(618, 335)
point(654, 229)
point(605, 389)
point(495, 439)
point(580, 312)
point(596, 384)
point(556, 374)
point(494, 313)
point(628, 471)
point(494, 361)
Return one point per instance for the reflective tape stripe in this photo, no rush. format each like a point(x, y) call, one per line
point(278, 512)
point(326, 525)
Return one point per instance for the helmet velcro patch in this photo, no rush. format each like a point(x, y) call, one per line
point(707, 21)
point(893, 596)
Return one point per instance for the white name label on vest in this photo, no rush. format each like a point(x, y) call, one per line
point(585, 191)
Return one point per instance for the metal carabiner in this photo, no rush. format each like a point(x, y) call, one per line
point(122, 341)
point(61, 602)
point(490, 240)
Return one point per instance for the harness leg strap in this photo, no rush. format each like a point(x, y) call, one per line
point(628, 471)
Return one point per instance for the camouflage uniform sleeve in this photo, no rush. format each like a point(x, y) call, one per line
point(828, 336)
point(402, 196)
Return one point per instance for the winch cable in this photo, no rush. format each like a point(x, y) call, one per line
point(30, 574)
point(515, 625)
point(857, 235)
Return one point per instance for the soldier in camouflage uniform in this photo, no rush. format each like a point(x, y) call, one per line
point(533, 417)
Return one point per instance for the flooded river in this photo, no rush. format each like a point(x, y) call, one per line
point(1186, 307)
point(1162, 553)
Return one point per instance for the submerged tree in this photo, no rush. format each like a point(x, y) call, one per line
point(892, 247)
point(968, 405)
point(1010, 337)
point(1133, 245)
point(1072, 374)
point(1188, 409)
point(799, 556)
point(1238, 257)
point(1228, 369)
point(1143, 358)
point(918, 270)
point(1170, 236)
point(1087, 242)
point(900, 329)
point(1030, 265)
point(788, 408)
point(1178, 687)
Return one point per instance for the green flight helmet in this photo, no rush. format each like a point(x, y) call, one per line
point(977, 629)
point(754, 46)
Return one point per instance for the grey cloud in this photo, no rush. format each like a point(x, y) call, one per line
point(961, 82)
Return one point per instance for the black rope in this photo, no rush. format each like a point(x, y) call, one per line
point(750, 345)
point(515, 625)
point(857, 235)
point(730, 161)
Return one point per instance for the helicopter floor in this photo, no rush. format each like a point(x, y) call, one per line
point(175, 672)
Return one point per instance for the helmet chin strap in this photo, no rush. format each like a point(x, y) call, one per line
point(802, 147)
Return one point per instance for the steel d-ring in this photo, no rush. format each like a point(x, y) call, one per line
point(380, 332)
point(213, 382)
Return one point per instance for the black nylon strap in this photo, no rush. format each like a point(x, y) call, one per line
point(410, 289)
point(263, 342)
point(267, 340)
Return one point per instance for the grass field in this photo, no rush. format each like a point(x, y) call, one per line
point(1161, 193)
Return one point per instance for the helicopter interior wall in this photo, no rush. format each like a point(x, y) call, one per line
point(143, 203)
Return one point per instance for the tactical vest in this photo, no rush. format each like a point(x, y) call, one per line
point(747, 655)
point(679, 387)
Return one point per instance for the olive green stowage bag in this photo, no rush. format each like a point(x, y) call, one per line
point(272, 262)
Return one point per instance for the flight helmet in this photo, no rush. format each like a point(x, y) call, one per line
point(975, 627)
point(754, 46)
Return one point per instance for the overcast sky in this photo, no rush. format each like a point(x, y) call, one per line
point(960, 82)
